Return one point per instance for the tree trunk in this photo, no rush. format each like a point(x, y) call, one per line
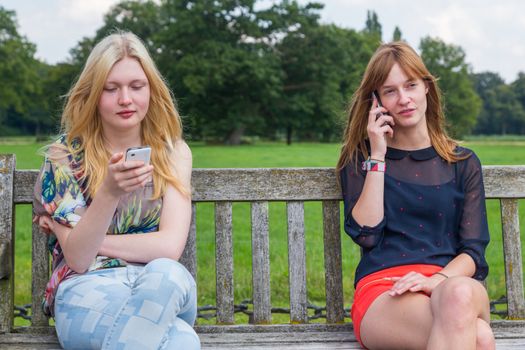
point(235, 136)
point(289, 135)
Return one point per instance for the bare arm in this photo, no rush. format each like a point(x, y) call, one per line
point(81, 243)
point(169, 241)
point(369, 208)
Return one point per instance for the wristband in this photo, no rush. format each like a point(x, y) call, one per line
point(441, 274)
point(373, 165)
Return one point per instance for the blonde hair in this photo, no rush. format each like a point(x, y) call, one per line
point(375, 75)
point(160, 129)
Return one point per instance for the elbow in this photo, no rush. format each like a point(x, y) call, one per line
point(174, 251)
point(77, 268)
point(75, 265)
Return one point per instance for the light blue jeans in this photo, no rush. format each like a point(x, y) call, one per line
point(149, 306)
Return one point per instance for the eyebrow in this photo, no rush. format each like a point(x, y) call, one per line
point(409, 80)
point(142, 81)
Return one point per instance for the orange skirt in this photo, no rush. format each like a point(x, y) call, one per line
point(372, 286)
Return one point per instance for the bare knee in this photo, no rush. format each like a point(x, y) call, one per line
point(484, 337)
point(455, 303)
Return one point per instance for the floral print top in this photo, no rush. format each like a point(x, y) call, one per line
point(61, 194)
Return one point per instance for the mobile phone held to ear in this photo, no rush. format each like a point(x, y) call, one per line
point(376, 95)
point(142, 153)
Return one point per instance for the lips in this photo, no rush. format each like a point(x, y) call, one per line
point(126, 114)
point(407, 112)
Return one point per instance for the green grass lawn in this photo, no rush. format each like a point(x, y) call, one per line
point(492, 152)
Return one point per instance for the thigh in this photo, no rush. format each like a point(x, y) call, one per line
point(397, 322)
point(85, 307)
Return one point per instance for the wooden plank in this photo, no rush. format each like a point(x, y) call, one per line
point(333, 263)
point(509, 335)
point(40, 276)
point(189, 255)
point(224, 263)
point(24, 185)
point(7, 241)
point(260, 264)
point(512, 256)
point(264, 184)
point(507, 181)
point(5, 266)
point(285, 184)
point(297, 262)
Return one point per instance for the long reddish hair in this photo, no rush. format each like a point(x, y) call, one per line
point(375, 75)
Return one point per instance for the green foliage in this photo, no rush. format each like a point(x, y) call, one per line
point(397, 36)
point(19, 70)
point(372, 26)
point(503, 110)
point(239, 69)
point(447, 63)
point(322, 66)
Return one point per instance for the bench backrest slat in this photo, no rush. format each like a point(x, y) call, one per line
point(270, 185)
point(297, 262)
point(40, 273)
point(7, 175)
point(189, 255)
point(504, 181)
point(260, 263)
point(224, 263)
point(512, 255)
point(333, 262)
point(248, 185)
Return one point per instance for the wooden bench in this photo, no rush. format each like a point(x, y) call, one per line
point(258, 187)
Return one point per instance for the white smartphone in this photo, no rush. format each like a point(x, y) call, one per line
point(142, 153)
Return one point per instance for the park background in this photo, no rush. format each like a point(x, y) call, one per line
point(276, 83)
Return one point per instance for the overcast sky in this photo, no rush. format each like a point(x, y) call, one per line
point(492, 33)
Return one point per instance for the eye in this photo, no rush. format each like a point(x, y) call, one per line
point(137, 87)
point(388, 92)
point(412, 85)
point(110, 89)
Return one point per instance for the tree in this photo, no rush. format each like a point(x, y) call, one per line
point(397, 36)
point(485, 84)
point(322, 66)
point(143, 18)
point(372, 26)
point(20, 90)
point(447, 63)
point(518, 86)
point(226, 72)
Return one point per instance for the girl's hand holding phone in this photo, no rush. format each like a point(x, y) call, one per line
point(126, 176)
point(380, 123)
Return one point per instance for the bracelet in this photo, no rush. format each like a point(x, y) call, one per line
point(441, 274)
point(374, 165)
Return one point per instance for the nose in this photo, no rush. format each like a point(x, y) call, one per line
point(124, 98)
point(404, 97)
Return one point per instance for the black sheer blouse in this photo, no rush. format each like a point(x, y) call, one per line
point(433, 212)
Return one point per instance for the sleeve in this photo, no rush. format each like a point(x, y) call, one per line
point(57, 192)
point(473, 227)
point(352, 181)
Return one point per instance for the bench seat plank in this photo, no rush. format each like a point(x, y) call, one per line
point(510, 335)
